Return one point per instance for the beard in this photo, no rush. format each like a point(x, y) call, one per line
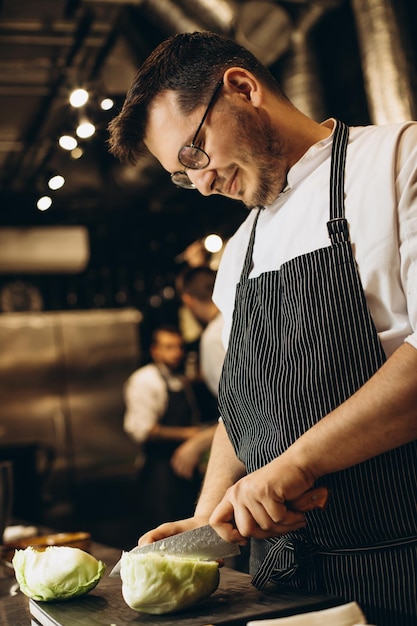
point(263, 151)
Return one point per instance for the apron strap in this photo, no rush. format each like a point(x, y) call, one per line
point(247, 265)
point(337, 225)
point(290, 553)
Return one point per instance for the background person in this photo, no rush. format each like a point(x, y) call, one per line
point(318, 292)
point(161, 413)
point(195, 286)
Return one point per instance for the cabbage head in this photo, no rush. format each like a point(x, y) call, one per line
point(160, 583)
point(57, 573)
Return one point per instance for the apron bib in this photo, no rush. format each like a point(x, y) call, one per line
point(308, 342)
point(165, 495)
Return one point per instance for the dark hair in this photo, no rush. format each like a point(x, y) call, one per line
point(165, 328)
point(189, 64)
point(198, 282)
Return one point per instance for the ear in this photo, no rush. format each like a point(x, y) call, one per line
point(239, 81)
point(187, 299)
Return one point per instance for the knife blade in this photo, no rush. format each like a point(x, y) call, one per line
point(200, 543)
point(205, 543)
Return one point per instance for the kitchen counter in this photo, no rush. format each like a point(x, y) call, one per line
point(234, 603)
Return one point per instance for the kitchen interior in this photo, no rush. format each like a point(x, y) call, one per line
point(88, 268)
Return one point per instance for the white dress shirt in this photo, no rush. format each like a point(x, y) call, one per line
point(381, 209)
point(146, 399)
point(212, 353)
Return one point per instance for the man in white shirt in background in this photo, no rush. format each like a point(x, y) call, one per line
point(161, 414)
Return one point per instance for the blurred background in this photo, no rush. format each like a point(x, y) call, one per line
point(90, 249)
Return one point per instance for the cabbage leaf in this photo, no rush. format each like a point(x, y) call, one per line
point(57, 573)
point(160, 583)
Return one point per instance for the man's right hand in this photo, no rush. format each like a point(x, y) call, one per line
point(171, 528)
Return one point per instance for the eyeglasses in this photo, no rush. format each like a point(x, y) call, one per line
point(191, 156)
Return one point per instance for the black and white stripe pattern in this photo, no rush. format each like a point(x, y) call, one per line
point(302, 342)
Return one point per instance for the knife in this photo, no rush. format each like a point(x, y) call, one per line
point(205, 543)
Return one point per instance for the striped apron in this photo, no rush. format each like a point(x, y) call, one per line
point(308, 342)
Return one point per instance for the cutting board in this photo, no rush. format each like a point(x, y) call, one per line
point(235, 602)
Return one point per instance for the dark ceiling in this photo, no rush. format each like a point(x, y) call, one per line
point(137, 220)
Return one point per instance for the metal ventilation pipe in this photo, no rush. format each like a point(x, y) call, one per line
point(264, 28)
point(261, 26)
point(384, 61)
point(216, 15)
point(300, 78)
point(168, 14)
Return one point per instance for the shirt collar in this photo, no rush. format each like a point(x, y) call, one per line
point(317, 153)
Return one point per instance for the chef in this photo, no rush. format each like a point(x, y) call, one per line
point(318, 290)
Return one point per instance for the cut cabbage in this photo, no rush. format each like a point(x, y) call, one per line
point(159, 583)
point(57, 573)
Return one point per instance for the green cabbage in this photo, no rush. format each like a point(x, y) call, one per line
point(58, 573)
point(158, 583)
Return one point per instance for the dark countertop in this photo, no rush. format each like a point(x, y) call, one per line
point(234, 603)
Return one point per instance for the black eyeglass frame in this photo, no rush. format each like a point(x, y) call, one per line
point(187, 184)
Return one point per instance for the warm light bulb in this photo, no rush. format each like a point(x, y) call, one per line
point(67, 142)
point(106, 104)
point(78, 98)
point(56, 182)
point(44, 203)
point(213, 243)
point(85, 130)
point(77, 153)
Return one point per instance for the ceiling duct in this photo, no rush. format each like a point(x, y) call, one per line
point(384, 62)
point(300, 77)
point(166, 14)
point(262, 27)
point(265, 29)
point(216, 15)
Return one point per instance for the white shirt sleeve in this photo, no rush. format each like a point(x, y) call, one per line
point(146, 401)
point(406, 189)
point(212, 354)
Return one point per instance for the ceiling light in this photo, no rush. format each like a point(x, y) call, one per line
point(56, 182)
point(77, 153)
point(85, 130)
point(213, 243)
point(78, 98)
point(107, 104)
point(44, 203)
point(67, 142)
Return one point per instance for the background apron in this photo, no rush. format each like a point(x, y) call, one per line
point(165, 495)
point(308, 342)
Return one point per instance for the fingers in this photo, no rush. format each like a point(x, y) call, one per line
point(239, 516)
point(183, 467)
point(161, 532)
point(170, 528)
point(184, 461)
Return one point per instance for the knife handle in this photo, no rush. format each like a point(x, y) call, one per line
point(316, 498)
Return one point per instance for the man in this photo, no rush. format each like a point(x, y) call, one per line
point(195, 286)
point(318, 291)
point(161, 414)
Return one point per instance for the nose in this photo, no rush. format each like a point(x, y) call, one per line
point(203, 180)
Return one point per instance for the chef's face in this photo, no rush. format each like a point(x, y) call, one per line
point(168, 349)
point(246, 157)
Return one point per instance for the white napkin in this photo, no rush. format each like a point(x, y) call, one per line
point(344, 615)
point(14, 533)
